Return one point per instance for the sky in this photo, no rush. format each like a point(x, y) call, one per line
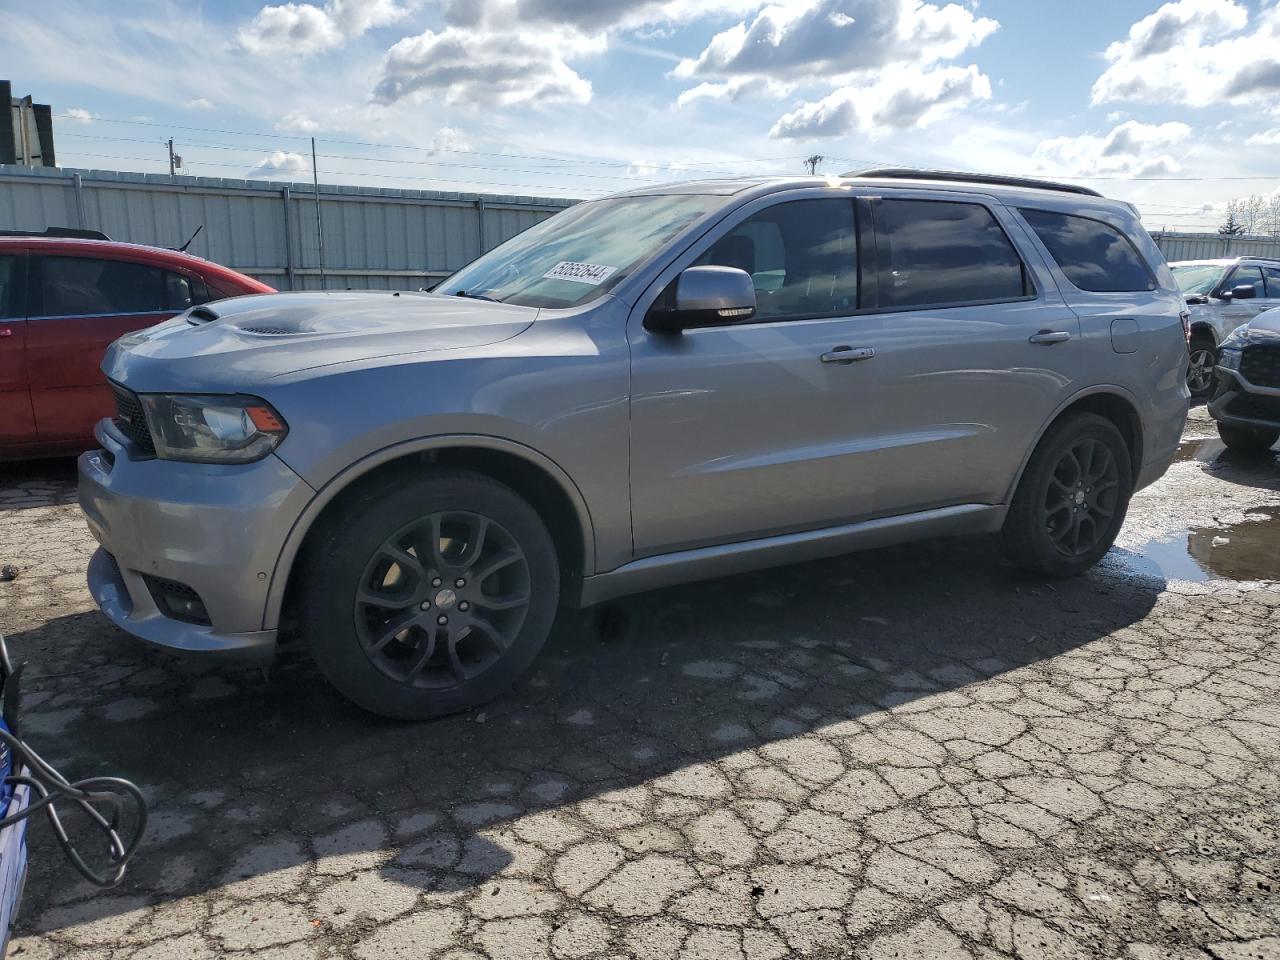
point(1173, 106)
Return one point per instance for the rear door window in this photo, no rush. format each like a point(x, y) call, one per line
point(80, 286)
point(802, 256)
point(1272, 275)
point(940, 253)
point(1095, 256)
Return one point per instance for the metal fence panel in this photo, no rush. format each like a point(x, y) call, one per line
point(376, 238)
point(1211, 246)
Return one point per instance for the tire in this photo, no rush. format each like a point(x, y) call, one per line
point(1201, 376)
point(1254, 440)
point(1056, 527)
point(415, 639)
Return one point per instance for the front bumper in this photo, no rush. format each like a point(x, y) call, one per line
point(1237, 402)
point(216, 529)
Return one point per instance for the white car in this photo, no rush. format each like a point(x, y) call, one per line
point(1222, 295)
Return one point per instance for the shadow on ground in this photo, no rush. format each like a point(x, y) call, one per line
point(684, 676)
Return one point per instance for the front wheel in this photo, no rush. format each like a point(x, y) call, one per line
point(1072, 499)
point(428, 596)
point(1248, 439)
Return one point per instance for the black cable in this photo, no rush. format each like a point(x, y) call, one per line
point(114, 794)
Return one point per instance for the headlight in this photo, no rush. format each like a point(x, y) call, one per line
point(212, 429)
point(1229, 358)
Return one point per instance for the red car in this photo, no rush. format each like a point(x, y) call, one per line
point(63, 300)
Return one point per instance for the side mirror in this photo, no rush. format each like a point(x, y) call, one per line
point(704, 297)
point(1246, 291)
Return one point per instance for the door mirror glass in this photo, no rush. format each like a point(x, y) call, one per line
point(1245, 291)
point(704, 297)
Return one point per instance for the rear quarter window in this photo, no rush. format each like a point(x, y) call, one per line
point(1095, 256)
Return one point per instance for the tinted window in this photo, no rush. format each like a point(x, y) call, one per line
point(1093, 255)
point(10, 286)
point(802, 257)
point(75, 286)
point(1245, 277)
point(935, 252)
point(1273, 281)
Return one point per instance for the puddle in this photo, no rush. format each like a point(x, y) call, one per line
point(1249, 550)
point(1203, 449)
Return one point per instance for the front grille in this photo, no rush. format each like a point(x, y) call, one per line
point(1255, 407)
point(176, 599)
point(132, 420)
point(1260, 365)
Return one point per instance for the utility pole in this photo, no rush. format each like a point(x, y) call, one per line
point(171, 156)
point(315, 183)
point(812, 163)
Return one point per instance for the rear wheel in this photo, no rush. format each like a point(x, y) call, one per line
point(1248, 439)
point(1200, 372)
point(430, 596)
point(1072, 499)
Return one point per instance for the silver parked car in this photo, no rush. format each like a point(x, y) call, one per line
point(657, 387)
point(1222, 295)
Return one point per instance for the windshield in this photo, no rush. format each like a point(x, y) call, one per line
point(581, 253)
point(1197, 279)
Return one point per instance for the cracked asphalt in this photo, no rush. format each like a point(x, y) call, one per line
point(914, 752)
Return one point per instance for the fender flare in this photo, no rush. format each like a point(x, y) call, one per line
point(342, 480)
point(1092, 390)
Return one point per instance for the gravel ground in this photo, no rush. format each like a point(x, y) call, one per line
point(916, 752)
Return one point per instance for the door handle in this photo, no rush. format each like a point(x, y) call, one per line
point(1051, 336)
point(847, 355)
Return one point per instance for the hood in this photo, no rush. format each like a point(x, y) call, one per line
point(1265, 326)
point(230, 344)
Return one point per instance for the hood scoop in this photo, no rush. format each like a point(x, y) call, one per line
point(199, 316)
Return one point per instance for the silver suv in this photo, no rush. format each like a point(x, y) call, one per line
point(1222, 295)
point(661, 386)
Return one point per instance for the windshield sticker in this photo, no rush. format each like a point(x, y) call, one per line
point(590, 273)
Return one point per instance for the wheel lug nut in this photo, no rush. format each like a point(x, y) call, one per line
point(425, 605)
point(464, 606)
point(442, 620)
point(436, 581)
point(459, 582)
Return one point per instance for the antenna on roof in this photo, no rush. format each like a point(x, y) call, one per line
point(183, 248)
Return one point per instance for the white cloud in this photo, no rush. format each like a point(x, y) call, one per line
point(475, 66)
point(200, 103)
point(900, 98)
point(732, 89)
point(280, 163)
point(79, 115)
point(1131, 149)
point(299, 121)
point(1194, 52)
point(300, 29)
point(821, 39)
point(1268, 138)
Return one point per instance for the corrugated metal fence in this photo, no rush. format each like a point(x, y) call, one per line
point(1210, 246)
point(373, 238)
point(380, 238)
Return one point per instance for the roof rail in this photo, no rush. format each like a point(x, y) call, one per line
point(70, 233)
point(906, 173)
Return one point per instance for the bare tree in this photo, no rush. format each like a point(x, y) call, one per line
point(812, 163)
point(1271, 220)
point(1252, 210)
